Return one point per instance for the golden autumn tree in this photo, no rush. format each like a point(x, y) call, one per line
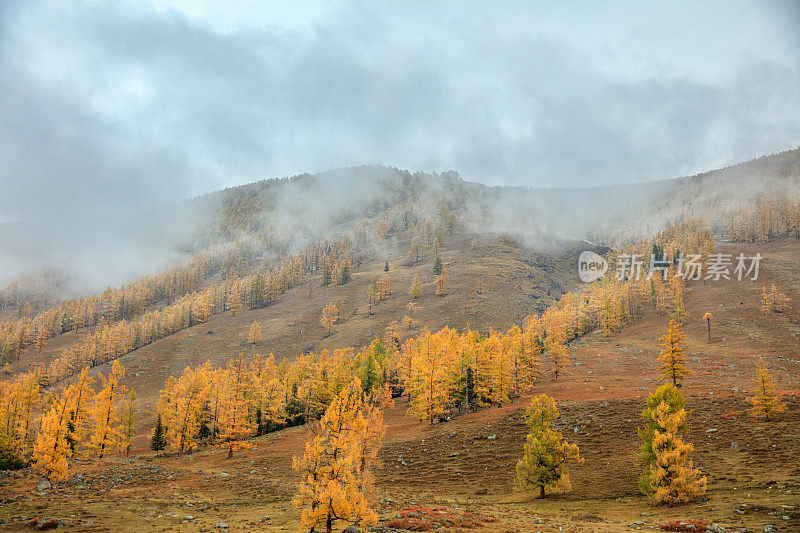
point(665, 394)
point(765, 402)
point(524, 360)
point(107, 432)
point(416, 288)
point(52, 447)
point(254, 336)
point(370, 440)
point(707, 318)
point(332, 466)
point(547, 454)
point(180, 406)
point(235, 302)
point(269, 393)
point(41, 339)
point(672, 478)
point(441, 283)
point(385, 287)
point(79, 408)
point(329, 317)
point(673, 353)
point(557, 353)
point(498, 376)
point(675, 304)
point(773, 300)
point(235, 423)
point(429, 379)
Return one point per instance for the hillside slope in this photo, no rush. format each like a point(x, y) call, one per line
point(468, 463)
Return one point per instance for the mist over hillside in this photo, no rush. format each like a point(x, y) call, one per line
point(376, 207)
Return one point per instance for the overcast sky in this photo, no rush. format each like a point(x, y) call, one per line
point(109, 104)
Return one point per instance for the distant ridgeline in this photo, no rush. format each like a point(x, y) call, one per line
point(261, 239)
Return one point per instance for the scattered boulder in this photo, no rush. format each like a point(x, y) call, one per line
point(43, 484)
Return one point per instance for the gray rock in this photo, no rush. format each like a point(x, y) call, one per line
point(221, 525)
point(769, 528)
point(43, 484)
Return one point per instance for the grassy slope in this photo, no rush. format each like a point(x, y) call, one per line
point(761, 471)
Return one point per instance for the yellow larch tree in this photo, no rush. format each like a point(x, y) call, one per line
point(329, 317)
point(524, 361)
point(334, 466)
point(235, 423)
point(547, 454)
point(52, 448)
point(557, 353)
point(416, 288)
point(501, 370)
point(181, 405)
point(611, 319)
point(429, 379)
point(441, 283)
point(667, 394)
point(673, 353)
point(107, 432)
point(269, 392)
point(405, 364)
point(674, 302)
point(773, 301)
point(673, 479)
point(26, 396)
point(385, 287)
point(235, 302)
point(765, 401)
point(370, 439)
point(254, 336)
point(41, 339)
point(79, 409)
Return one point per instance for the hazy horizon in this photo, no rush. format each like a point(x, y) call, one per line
point(110, 107)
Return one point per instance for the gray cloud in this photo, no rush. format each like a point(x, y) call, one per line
point(115, 106)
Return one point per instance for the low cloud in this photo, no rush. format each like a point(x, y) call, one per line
point(114, 107)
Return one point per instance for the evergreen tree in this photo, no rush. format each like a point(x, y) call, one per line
point(158, 441)
point(437, 265)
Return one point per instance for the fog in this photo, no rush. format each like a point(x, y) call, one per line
point(111, 113)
